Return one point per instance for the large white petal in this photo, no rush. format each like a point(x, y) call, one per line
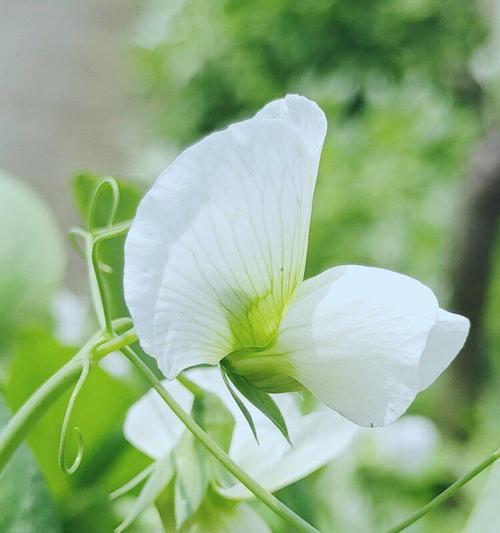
point(445, 340)
point(302, 113)
point(354, 337)
point(151, 426)
point(219, 242)
point(317, 438)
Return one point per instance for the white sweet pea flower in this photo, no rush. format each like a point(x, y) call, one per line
point(317, 437)
point(214, 266)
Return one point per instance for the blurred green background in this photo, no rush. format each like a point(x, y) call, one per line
point(409, 180)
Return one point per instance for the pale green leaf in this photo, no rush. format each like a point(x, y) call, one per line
point(210, 412)
point(192, 477)
point(25, 503)
point(32, 258)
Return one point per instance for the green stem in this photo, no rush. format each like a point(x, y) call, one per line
point(21, 424)
point(450, 491)
point(111, 232)
point(260, 492)
point(100, 288)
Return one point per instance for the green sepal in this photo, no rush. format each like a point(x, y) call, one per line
point(246, 413)
point(260, 399)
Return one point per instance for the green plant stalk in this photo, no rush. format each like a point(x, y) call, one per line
point(260, 492)
point(21, 424)
point(447, 493)
point(97, 287)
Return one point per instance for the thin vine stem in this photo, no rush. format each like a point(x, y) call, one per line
point(102, 302)
point(447, 493)
point(260, 492)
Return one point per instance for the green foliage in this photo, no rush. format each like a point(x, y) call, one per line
point(194, 465)
point(30, 240)
point(214, 417)
point(26, 504)
point(394, 81)
point(192, 477)
point(213, 61)
point(389, 178)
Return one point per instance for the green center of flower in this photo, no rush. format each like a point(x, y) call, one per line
point(263, 368)
point(254, 322)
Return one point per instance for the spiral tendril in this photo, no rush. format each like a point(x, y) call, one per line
point(112, 185)
point(65, 425)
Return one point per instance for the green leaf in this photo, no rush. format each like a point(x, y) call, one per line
point(32, 258)
point(262, 400)
point(163, 472)
point(193, 463)
point(192, 477)
point(111, 251)
point(210, 412)
point(25, 503)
